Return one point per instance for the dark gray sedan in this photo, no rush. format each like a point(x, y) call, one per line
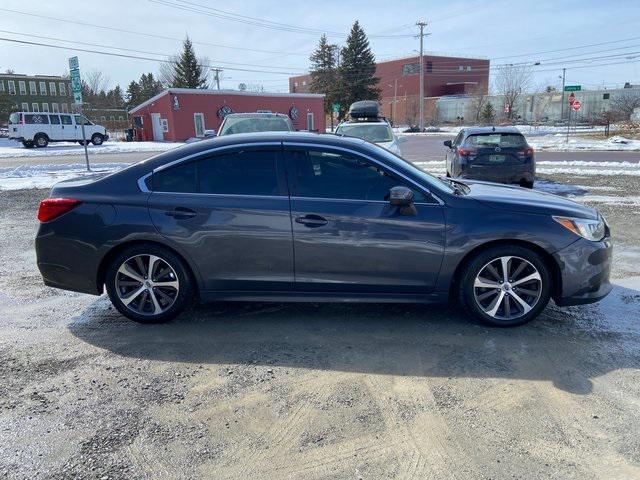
point(495, 154)
point(305, 217)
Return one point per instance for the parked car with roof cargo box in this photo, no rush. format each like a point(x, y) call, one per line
point(39, 129)
point(494, 154)
point(365, 123)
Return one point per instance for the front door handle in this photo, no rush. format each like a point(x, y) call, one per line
point(181, 213)
point(312, 221)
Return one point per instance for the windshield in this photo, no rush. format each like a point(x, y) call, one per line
point(373, 132)
point(254, 124)
point(503, 140)
point(14, 118)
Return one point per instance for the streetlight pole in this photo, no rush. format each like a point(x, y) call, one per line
point(564, 71)
point(393, 105)
point(421, 24)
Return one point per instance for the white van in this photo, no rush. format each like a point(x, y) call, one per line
point(37, 128)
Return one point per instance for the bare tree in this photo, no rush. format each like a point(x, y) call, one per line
point(96, 81)
point(511, 82)
point(479, 96)
point(622, 106)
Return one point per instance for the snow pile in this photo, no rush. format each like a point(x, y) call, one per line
point(12, 149)
point(559, 143)
point(45, 176)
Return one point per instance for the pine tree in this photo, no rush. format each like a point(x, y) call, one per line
point(324, 72)
point(357, 80)
point(142, 90)
point(488, 113)
point(134, 95)
point(187, 72)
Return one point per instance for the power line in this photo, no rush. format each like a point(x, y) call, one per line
point(150, 35)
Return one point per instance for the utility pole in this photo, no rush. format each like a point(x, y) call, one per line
point(564, 71)
point(421, 24)
point(217, 71)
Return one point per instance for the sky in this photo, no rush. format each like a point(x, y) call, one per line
point(262, 43)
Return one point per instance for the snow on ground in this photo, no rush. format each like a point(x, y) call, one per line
point(11, 148)
point(558, 143)
point(45, 176)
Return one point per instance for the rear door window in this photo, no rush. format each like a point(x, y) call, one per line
point(36, 118)
point(502, 140)
point(249, 172)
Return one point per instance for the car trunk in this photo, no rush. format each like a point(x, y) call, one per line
point(497, 149)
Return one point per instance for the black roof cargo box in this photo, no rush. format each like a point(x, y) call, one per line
point(364, 109)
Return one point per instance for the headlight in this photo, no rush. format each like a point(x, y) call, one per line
point(593, 230)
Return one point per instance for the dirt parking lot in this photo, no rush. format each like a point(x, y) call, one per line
point(318, 391)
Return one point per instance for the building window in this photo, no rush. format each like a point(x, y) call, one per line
point(63, 88)
point(32, 88)
point(121, 119)
point(25, 107)
point(69, 89)
point(12, 87)
point(112, 118)
point(52, 88)
point(304, 82)
point(45, 107)
point(35, 107)
point(468, 68)
point(103, 118)
point(43, 88)
point(22, 85)
point(54, 108)
point(411, 68)
point(165, 124)
point(64, 108)
point(429, 67)
point(461, 68)
point(1, 86)
point(606, 96)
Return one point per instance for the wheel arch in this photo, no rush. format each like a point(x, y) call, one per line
point(549, 260)
point(113, 252)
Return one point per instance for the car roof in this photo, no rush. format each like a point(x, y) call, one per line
point(481, 130)
point(257, 114)
point(376, 121)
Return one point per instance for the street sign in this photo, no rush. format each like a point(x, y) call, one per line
point(73, 63)
point(336, 108)
point(576, 105)
point(572, 98)
point(76, 88)
point(572, 88)
point(506, 109)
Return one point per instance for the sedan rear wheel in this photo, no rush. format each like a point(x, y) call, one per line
point(506, 286)
point(149, 284)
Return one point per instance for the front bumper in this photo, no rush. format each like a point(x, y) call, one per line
point(584, 270)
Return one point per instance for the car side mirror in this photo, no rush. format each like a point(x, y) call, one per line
point(210, 133)
point(447, 143)
point(402, 197)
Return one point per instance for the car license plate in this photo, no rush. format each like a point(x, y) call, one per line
point(496, 158)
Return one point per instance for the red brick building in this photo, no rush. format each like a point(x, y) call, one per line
point(181, 113)
point(400, 83)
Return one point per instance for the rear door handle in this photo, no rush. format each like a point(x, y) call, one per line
point(181, 213)
point(312, 221)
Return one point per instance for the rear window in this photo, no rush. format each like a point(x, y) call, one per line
point(503, 140)
point(372, 132)
point(14, 118)
point(36, 118)
point(234, 125)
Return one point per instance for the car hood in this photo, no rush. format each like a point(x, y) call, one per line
point(517, 199)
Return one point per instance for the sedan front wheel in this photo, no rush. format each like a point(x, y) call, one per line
point(505, 286)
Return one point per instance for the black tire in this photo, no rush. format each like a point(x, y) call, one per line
point(526, 184)
point(183, 299)
point(97, 139)
point(27, 144)
point(466, 292)
point(41, 140)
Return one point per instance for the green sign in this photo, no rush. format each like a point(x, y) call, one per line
point(572, 88)
point(336, 107)
point(76, 86)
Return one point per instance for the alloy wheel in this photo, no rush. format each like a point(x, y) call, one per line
point(147, 284)
point(507, 287)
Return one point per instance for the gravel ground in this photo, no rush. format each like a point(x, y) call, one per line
point(316, 391)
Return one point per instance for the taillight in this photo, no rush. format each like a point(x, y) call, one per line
point(51, 208)
point(528, 151)
point(465, 151)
